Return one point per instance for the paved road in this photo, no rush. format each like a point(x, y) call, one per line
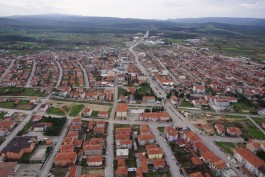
point(109, 171)
point(60, 70)
point(7, 70)
point(84, 74)
point(177, 118)
point(173, 167)
point(50, 160)
point(28, 84)
point(60, 74)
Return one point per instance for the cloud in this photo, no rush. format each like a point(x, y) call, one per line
point(151, 9)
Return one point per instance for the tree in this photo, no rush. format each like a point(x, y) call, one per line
point(147, 110)
point(159, 99)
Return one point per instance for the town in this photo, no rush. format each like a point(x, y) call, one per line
point(148, 109)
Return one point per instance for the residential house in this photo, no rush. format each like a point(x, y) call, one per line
point(124, 144)
point(64, 159)
point(121, 171)
point(146, 139)
point(94, 161)
point(171, 134)
point(103, 114)
point(149, 99)
point(155, 116)
point(159, 163)
point(121, 110)
point(250, 161)
point(220, 129)
point(253, 146)
point(92, 149)
point(41, 127)
point(234, 131)
point(200, 89)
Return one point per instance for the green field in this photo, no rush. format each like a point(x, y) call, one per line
point(94, 114)
point(55, 111)
point(2, 114)
point(234, 117)
point(16, 91)
point(243, 108)
point(7, 104)
point(185, 103)
point(227, 147)
point(254, 132)
point(75, 110)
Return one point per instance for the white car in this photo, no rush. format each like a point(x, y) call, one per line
point(112, 165)
point(107, 152)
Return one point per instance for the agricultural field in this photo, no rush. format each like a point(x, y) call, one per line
point(22, 104)
point(16, 91)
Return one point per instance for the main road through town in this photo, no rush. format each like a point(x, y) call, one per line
point(177, 118)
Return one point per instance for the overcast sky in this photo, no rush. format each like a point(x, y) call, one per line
point(146, 9)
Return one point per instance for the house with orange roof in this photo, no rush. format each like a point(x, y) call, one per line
point(220, 129)
point(146, 139)
point(64, 159)
point(191, 137)
point(76, 121)
point(200, 89)
point(87, 112)
point(92, 149)
point(98, 130)
point(73, 134)
point(125, 130)
point(37, 118)
point(249, 160)
point(100, 124)
point(171, 134)
point(124, 144)
point(121, 110)
point(7, 124)
point(149, 99)
point(144, 129)
point(74, 171)
point(159, 163)
point(75, 127)
point(67, 148)
point(196, 161)
point(234, 131)
point(196, 174)
point(121, 162)
point(122, 171)
point(119, 137)
point(103, 114)
point(155, 153)
point(253, 146)
point(95, 160)
point(139, 172)
point(154, 116)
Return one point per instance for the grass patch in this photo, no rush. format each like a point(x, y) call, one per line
point(23, 102)
point(242, 107)
point(94, 114)
point(131, 163)
point(254, 132)
point(161, 129)
point(2, 139)
point(258, 121)
point(2, 115)
point(76, 109)
point(7, 104)
point(227, 147)
point(25, 129)
point(261, 154)
point(16, 91)
point(121, 126)
point(84, 163)
point(185, 103)
point(55, 111)
point(157, 174)
point(234, 117)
